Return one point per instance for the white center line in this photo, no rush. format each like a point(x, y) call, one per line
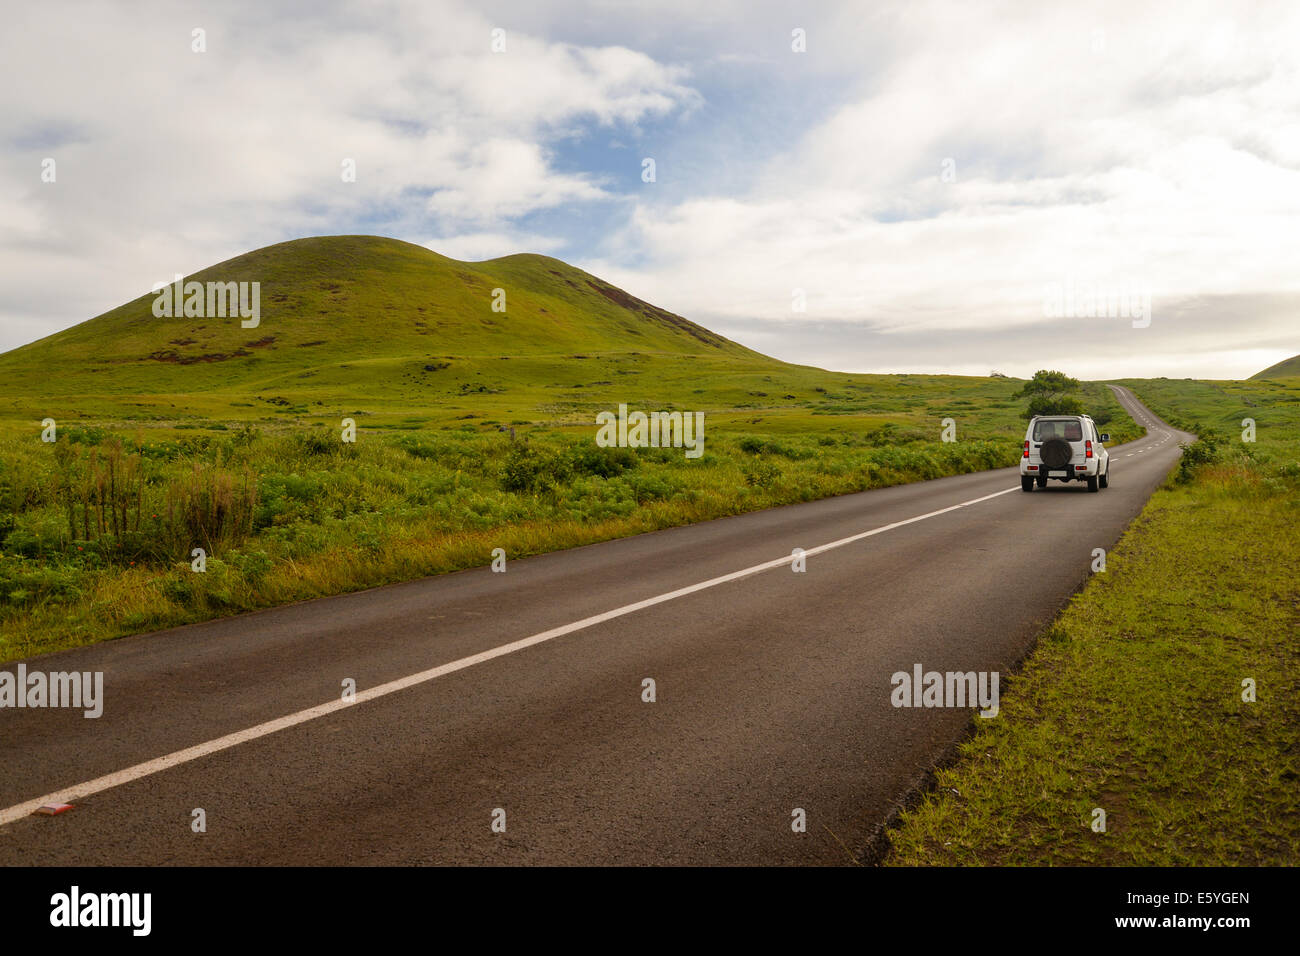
point(175, 759)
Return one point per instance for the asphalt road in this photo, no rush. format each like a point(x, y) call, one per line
point(773, 693)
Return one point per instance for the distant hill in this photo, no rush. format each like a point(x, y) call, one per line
point(399, 337)
point(341, 299)
point(358, 321)
point(1290, 368)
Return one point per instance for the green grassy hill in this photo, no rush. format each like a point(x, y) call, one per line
point(347, 318)
point(1289, 368)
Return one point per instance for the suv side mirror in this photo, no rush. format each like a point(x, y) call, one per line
point(1105, 437)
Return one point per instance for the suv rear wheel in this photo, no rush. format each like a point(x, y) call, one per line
point(1092, 483)
point(1026, 483)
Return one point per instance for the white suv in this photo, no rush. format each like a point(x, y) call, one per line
point(1064, 447)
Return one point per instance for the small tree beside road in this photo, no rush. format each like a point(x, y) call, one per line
point(1048, 394)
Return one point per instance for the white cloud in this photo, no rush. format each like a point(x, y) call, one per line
point(1161, 151)
point(503, 179)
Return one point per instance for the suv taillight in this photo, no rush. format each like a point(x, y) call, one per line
point(1088, 448)
point(1026, 454)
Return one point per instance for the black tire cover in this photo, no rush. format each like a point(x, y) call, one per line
point(1056, 453)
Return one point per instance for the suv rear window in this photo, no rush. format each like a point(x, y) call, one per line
point(1069, 430)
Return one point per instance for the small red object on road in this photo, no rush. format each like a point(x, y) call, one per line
point(53, 809)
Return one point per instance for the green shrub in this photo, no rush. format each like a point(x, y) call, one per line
point(760, 474)
point(416, 448)
point(208, 506)
point(85, 436)
point(526, 469)
point(1054, 405)
point(754, 445)
point(590, 459)
point(1207, 451)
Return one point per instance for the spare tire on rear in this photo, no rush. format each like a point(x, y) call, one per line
point(1056, 453)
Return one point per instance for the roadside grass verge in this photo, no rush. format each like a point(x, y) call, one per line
point(98, 529)
point(97, 538)
point(1132, 701)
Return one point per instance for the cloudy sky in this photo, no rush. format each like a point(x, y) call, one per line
point(861, 186)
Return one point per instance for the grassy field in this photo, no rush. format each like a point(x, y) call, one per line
point(1132, 702)
point(475, 430)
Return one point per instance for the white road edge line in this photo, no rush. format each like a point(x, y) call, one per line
point(175, 759)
